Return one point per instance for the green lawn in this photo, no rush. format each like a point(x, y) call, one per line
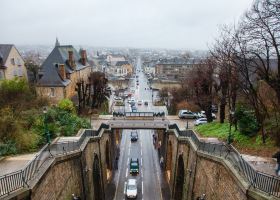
point(242, 142)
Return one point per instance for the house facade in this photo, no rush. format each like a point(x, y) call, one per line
point(11, 63)
point(61, 71)
point(174, 69)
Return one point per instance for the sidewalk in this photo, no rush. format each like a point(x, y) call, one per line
point(262, 164)
point(13, 163)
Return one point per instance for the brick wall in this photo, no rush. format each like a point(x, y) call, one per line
point(60, 181)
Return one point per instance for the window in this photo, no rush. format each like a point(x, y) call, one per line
point(12, 61)
point(52, 92)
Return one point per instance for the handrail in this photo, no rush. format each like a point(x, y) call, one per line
point(260, 180)
point(19, 179)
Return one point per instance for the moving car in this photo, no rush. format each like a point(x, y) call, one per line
point(134, 166)
point(139, 102)
point(146, 103)
point(133, 108)
point(186, 114)
point(200, 121)
point(133, 136)
point(131, 189)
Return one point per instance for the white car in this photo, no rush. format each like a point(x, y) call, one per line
point(200, 121)
point(131, 189)
point(139, 102)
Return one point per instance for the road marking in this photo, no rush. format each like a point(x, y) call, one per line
point(127, 161)
point(142, 187)
point(141, 152)
point(124, 187)
point(126, 173)
point(141, 173)
point(141, 162)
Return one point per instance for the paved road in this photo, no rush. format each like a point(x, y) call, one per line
point(150, 180)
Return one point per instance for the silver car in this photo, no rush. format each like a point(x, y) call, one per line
point(186, 114)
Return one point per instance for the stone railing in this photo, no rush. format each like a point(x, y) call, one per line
point(259, 180)
point(21, 178)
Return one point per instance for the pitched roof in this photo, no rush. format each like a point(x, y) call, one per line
point(4, 51)
point(121, 63)
point(59, 55)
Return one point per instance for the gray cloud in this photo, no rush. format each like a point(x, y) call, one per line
point(187, 24)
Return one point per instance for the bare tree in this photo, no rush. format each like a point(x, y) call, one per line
point(202, 83)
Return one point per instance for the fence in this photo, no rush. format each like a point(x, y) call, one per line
point(139, 114)
point(19, 179)
point(262, 181)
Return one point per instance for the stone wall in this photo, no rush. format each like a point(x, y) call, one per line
point(214, 180)
point(209, 175)
point(61, 180)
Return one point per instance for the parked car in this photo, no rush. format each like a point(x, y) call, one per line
point(133, 136)
point(131, 189)
point(134, 166)
point(214, 108)
point(203, 114)
point(118, 98)
point(200, 121)
point(186, 114)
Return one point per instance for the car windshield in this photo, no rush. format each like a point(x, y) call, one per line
point(131, 187)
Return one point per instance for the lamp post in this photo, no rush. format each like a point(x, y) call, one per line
point(230, 137)
point(46, 130)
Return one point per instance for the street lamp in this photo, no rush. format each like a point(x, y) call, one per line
point(230, 136)
point(46, 130)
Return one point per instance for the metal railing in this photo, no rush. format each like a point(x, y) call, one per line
point(20, 179)
point(149, 115)
point(262, 181)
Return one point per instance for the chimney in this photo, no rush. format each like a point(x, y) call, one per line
point(61, 70)
point(71, 60)
point(83, 57)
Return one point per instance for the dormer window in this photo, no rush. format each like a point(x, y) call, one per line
point(68, 75)
point(13, 61)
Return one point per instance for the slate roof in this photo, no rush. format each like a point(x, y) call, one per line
point(59, 55)
point(5, 51)
point(121, 63)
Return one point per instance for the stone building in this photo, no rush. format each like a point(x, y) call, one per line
point(62, 69)
point(175, 68)
point(11, 63)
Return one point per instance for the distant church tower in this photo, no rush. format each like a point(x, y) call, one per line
point(57, 43)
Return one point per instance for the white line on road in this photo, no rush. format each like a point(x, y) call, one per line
point(142, 188)
point(141, 173)
point(127, 161)
point(141, 152)
point(124, 187)
point(141, 162)
point(126, 173)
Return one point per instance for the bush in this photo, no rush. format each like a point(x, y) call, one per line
point(67, 105)
point(8, 148)
point(247, 122)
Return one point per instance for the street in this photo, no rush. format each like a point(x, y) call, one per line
point(150, 179)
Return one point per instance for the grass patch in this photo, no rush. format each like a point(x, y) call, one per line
point(245, 144)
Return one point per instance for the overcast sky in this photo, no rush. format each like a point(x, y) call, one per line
point(188, 24)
